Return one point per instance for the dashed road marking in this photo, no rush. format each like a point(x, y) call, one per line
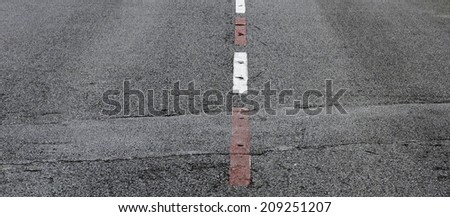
point(240, 6)
point(240, 73)
point(240, 160)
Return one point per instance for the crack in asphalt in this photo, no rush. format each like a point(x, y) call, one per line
point(172, 115)
point(187, 154)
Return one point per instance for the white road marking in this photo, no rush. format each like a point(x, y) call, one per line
point(240, 6)
point(240, 72)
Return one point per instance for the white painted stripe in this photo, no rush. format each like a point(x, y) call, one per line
point(240, 72)
point(240, 6)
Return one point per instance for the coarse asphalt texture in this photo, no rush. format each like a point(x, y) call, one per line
point(58, 57)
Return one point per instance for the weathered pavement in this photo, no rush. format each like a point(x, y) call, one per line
point(58, 57)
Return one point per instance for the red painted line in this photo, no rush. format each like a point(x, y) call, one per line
point(240, 148)
point(240, 21)
point(240, 31)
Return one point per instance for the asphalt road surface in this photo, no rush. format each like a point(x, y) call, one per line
point(58, 57)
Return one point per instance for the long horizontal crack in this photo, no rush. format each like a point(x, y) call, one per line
point(186, 154)
point(443, 102)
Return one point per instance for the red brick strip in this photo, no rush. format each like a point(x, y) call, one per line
point(240, 148)
point(240, 31)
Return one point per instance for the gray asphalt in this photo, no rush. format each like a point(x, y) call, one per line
point(57, 58)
